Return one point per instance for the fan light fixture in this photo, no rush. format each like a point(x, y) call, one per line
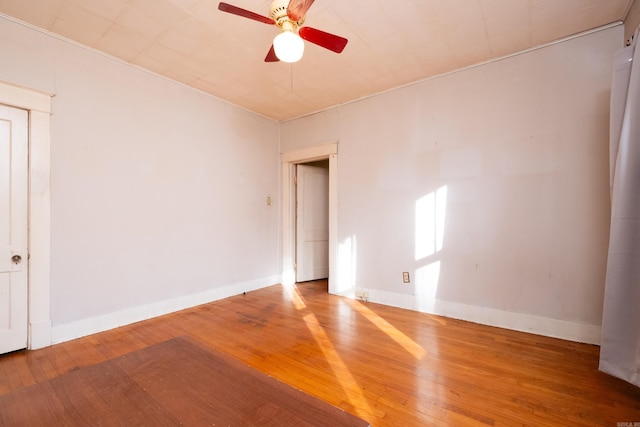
point(289, 46)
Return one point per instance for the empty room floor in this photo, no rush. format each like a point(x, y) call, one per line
point(389, 366)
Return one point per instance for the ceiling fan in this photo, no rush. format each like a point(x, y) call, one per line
point(289, 16)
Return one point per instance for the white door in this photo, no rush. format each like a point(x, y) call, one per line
point(13, 228)
point(312, 223)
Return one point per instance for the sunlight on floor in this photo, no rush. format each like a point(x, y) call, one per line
point(351, 388)
point(292, 294)
point(394, 333)
point(340, 369)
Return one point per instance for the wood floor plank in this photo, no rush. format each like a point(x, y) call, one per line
point(44, 397)
point(114, 399)
point(387, 365)
point(9, 378)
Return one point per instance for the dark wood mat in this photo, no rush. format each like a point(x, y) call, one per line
point(171, 383)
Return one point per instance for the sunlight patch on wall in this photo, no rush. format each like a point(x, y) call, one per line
point(288, 277)
point(430, 220)
point(347, 252)
point(427, 279)
point(431, 211)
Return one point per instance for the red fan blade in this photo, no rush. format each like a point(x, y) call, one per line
point(226, 7)
point(297, 9)
point(271, 56)
point(321, 38)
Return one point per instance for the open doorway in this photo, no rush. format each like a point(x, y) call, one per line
point(290, 161)
point(312, 221)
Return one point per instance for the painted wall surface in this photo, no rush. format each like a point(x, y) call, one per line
point(488, 185)
point(158, 191)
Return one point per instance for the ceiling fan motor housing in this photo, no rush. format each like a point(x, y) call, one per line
point(278, 12)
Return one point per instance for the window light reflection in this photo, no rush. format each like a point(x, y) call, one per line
point(347, 252)
point(394, 333)
point(430, 221)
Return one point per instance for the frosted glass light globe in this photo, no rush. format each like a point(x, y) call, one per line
point(288, 46)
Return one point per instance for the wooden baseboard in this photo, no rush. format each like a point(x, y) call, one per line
point(39, 334)
point(571, 331)
point(92, 325)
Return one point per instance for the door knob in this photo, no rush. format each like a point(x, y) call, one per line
point(16, 259)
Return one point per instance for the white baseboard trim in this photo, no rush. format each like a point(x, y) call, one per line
point(571, 331)
point(39, 334)
point(84, 327)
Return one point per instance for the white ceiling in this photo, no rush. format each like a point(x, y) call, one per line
point(391, 43)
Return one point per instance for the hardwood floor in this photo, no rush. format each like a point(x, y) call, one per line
point(389, 366)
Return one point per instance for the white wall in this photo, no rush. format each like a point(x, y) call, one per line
point(158, 191)
point(488, 185)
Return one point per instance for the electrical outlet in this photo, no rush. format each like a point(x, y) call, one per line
point(405, 277)
point(362, 295)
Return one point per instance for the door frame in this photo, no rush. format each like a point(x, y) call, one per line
point(289, 161)
point(38, 104)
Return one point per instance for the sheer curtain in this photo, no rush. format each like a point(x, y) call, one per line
point(620, 342)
